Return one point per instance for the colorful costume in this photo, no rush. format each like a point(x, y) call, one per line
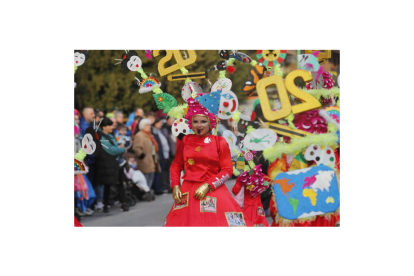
point(253, 208)
point(205, 159)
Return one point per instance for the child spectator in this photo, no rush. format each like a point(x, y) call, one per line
point(122, 139)
point(132, 172)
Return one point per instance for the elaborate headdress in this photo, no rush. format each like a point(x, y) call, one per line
point(195, 108)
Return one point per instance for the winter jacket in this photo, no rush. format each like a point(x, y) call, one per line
point(106, 162)
point(144, 150)
point(83, 124)
point(166, 130)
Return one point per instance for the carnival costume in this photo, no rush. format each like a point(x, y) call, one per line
point(252, 205)
point(207, 164)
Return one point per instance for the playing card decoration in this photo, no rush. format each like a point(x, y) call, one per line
point(271, 57)
point(211, 101)
point(260, 139)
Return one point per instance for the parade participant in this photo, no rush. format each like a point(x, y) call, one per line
point(252, 207)
point(203, 199)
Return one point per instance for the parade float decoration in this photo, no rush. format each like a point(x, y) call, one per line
point(271, 57)
point(322, 55)
point(296, 131)
point(148, 84)
point(306, 192)
point(260, 139)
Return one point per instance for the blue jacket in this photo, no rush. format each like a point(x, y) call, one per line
point(83, 124)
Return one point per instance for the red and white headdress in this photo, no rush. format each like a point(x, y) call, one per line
point(195, 108)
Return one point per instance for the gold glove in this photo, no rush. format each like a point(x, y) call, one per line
point(201, 192)
point(176, 194)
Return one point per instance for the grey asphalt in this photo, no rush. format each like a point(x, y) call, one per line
point(142, 214)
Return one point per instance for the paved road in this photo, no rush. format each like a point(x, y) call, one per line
point(142, 214)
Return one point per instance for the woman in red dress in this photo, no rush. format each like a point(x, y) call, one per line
point(203, 199)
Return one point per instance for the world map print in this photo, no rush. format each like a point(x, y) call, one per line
point(306, 192)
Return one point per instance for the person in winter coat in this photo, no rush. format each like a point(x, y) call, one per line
point(78, 137)
point(107, 164)
point(167, 131)
point(88, 115)
point(146, 149)
point(159, 179)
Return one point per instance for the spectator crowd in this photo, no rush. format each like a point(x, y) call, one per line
point(133, 164)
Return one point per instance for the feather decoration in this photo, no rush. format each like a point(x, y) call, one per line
point(322, 92)
point(250, 129)
point(236, 116)
point(177, 111)
point(297, 145)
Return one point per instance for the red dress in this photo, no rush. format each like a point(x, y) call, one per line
point(205, 160)
point(253, 208)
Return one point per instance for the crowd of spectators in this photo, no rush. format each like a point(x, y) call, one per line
point(134, 161)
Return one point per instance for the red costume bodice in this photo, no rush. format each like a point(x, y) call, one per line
point(204, 159)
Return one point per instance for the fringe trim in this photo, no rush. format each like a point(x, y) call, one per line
point(283, 222)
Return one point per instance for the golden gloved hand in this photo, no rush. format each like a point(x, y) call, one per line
point(201, 192)
point(176, 194)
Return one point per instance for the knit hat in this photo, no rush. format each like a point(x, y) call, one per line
point(195, 108)
point(144, 122)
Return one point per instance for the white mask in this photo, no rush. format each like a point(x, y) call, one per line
point(134, 63)
point(88, 144)
point(79, 59)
